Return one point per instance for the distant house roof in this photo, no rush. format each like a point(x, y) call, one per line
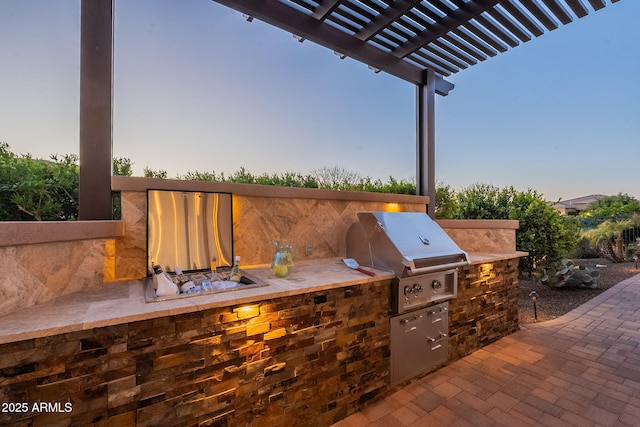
point(573, 206)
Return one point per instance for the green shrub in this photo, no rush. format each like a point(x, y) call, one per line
point(483, 201)
point(543, 232)
point(446, 205)
point(32, 189)
point(618, 207)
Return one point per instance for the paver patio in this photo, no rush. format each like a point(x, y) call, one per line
point(582, 369)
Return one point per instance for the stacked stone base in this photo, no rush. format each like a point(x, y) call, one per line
point(299, 361)
point(305, 360)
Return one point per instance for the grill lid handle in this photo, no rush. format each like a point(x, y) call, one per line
point(440, 267)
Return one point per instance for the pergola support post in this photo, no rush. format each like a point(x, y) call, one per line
point(96, 88)
point(426, 140)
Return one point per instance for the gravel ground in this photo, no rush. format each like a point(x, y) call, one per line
point(553, 303)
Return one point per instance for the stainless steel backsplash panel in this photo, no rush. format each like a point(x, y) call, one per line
point(187, 229)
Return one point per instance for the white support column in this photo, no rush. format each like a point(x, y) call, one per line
point(426, 141)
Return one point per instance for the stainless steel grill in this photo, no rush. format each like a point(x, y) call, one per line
point(423, 257)
point(425, 261)
point(407, 243)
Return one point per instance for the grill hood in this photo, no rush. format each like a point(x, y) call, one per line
point(407, 243)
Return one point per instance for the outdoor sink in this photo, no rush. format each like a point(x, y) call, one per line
point(247, 281)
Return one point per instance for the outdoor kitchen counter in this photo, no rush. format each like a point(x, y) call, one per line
point(122, 302)
point(486, 257)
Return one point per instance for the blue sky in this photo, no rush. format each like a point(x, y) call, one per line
point(196, 87)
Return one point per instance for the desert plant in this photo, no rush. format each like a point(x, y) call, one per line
point(584, 249)
point(608, 237)
point(570, 276)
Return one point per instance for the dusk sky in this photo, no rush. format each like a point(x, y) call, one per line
point(196, 87)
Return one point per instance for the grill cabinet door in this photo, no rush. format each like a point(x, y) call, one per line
point(409, 347)
point(419, 342)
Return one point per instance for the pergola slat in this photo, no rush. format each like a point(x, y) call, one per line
point(441, 53)
point(390, 14)
point(472, 46)
point(597, 4)
point(325, 9)
point(486, 36)
point(458, 17)
point(559, 11)
point(578, 8)
point(474, 42)
point(490, 26)
point(466, 48)
point(349, 16)
point(509, 24)
point(467, 59)
point(432, 62)
point(517, 13)
point(360, 10)
point(436, 59)
point(497, 31)
point(540, 14)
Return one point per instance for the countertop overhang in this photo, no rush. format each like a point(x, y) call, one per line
point(116, 303)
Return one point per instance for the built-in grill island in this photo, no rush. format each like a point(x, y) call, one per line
point(425, 261)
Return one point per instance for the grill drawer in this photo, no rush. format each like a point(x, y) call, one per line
point(419, 342)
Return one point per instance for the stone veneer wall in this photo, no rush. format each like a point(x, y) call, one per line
point(260, 215)
point(482, 235)
point(299, 361)
point(44, 260)
point(486, 308)
point(39, 273)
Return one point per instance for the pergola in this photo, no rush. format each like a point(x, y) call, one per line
point(420, 41)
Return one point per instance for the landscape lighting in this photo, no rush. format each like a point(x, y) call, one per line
point(534, 298)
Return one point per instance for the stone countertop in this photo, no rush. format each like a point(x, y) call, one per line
point(485, 257)
point(122, 302)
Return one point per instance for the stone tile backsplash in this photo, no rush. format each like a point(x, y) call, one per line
point(256, 222)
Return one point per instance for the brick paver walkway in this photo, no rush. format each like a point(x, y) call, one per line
point(582, 369)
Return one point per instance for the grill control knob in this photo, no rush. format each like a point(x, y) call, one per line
point(408, 290)
point(417, 288)
point(436, 284)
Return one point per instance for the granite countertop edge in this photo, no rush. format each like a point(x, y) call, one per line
point(116, 303)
